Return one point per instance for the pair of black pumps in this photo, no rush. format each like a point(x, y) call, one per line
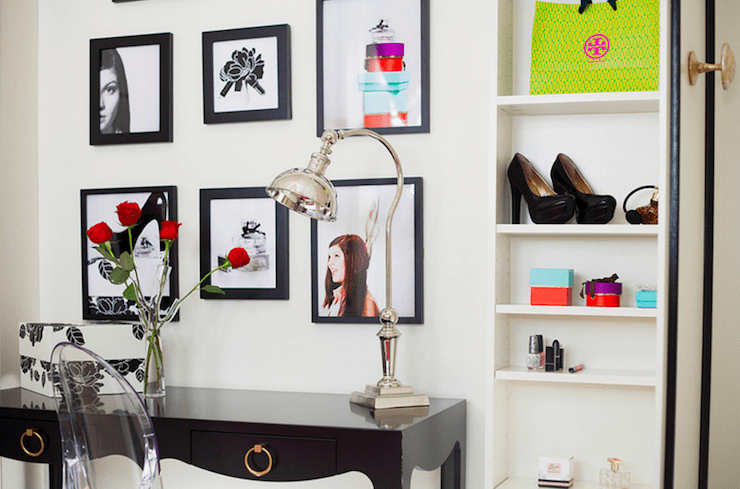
point(571, 194)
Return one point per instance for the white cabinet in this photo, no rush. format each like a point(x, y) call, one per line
point(615, 406)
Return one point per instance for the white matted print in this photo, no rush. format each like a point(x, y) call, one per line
point(142, 72)
point(248, 224)
point(244, 218)
point(245, 75)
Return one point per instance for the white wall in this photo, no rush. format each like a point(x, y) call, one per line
point(19, 234)
point(263, 344)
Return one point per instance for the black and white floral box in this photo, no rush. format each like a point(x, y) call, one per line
point(121, 344)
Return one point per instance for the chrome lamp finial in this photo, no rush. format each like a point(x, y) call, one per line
point(308, 192)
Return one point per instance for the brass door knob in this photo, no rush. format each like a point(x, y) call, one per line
point(726, 66)
point(258, 449)
point(30, 433)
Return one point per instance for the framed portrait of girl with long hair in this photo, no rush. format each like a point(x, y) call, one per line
point(131, 89)
point(348, 273)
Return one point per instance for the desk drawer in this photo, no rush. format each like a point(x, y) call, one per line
point(40, 440)
point(293, 458)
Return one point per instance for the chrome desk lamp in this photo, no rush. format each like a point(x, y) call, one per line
point(308, 192)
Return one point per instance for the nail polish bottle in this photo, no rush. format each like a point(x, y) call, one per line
point(536, 356)
point(612, 478)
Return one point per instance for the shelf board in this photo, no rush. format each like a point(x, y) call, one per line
point(631, 378)
point(577, 229)
point(619, 312)
point(579, 103)
point(531, 483)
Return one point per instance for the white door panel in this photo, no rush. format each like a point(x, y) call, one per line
point(724, 427)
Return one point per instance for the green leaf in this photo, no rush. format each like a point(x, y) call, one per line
point(213, 289)
point(127, 261)
point(129, 293)
point(118, 276)
point(104, 251)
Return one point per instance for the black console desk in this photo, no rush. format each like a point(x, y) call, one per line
point(309, 436)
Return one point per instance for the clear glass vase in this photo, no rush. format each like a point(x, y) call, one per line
point(153, 316)
point(154, 385)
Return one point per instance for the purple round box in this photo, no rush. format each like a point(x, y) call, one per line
point(612, 288)
point(384, 49)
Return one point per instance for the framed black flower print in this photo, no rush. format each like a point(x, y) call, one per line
point(131, 89)
point(246, 74)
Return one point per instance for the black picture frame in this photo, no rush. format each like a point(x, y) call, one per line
point(241, 81)
point(250, 219)
point(148, 98)
point(102, 300)
point(343, 43)
point(357, 198)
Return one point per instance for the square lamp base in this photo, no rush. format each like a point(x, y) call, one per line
point(376, 397)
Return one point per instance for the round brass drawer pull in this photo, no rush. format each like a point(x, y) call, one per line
point(29, 433)
point(258, 449)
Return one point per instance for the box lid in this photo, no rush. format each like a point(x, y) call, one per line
point(551, 277)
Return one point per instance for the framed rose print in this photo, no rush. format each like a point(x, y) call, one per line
point(102, 300)
point(245, 218)
point(246, 74)
point(131, 89)
point(373, 65)
point(348, 255)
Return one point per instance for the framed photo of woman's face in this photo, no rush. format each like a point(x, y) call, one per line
point(373, 65)
point(246, 74)
point(131, 89)
point(244, 218)
point(102, 300)
point(348, 270)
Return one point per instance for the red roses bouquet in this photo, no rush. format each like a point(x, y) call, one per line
point(149, 309)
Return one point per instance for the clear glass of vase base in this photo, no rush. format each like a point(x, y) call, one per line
point(154, 366)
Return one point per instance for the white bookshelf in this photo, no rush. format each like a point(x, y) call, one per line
point(614, 406)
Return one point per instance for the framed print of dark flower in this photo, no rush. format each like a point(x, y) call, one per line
point(246, 74)
point(373, 65)
point(131, 89)
point(102, 300)
point(244, 218)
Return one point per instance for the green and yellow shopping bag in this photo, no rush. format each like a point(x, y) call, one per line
point(600, 50)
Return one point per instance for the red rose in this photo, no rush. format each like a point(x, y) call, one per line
point(128, 213)
point(169, 230)
point(238, 257)
point(100, 233)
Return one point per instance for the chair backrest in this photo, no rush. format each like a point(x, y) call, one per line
point(108, 439)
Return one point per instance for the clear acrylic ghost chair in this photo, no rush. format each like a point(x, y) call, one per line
point(108, 439)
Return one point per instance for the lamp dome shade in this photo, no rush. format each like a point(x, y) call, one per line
point(306, 192)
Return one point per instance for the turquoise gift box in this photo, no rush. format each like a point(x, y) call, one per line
point(551, 277)
point(647, 299)
point(551, 286)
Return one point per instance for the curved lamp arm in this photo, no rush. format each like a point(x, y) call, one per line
point(341, 134)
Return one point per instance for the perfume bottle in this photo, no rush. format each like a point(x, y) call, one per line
point(536, 355)
point(612, 478)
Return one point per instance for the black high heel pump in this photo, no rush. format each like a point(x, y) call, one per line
point(545, 206)
point(155, 209)
point(590, 208)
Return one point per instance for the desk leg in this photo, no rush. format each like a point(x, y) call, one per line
point(451, 474)
point(55, 476)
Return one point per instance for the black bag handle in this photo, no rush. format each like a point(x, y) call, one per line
point(585, 4)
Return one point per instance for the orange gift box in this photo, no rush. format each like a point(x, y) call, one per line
point(551, 296)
